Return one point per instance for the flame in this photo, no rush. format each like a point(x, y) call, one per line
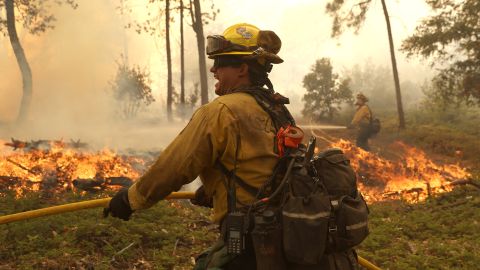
point(413, 176)
point(56, 167)
point(409, 174)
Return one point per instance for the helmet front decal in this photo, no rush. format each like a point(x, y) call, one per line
point(242, 31)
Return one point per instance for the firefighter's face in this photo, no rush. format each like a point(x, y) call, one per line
point(229, 77)
point(359, 102)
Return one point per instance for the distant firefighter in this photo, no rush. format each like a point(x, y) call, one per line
point(362, 120)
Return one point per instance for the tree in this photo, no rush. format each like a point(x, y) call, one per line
point(36, 19)
point(198, 19)
point(189, 103)
point(325, 91)
point(182, 58)
point(181, 105)
point(131, 90)
point(169, 61)
point(451, 37)
point(354, 18)
point(193, 98)
point(373, 81)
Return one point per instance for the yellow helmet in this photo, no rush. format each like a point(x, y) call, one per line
point(361, 98)
point(244, 39)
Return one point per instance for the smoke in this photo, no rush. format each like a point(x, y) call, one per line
point(72, 66)
point(73, 63)
point(305, 32)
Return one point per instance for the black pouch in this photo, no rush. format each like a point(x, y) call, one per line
point(351, 219)
point(334, 169)
point(375, 126)
point(305, 219)
point(267, 241)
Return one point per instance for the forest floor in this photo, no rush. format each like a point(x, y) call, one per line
point(440, 233)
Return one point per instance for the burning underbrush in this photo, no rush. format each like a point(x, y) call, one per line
point(57, 166)
point(411, 175)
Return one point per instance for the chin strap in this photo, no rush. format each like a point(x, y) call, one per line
point(269, 84)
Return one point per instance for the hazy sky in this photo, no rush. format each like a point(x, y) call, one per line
point(305, 32)
point(73, 63)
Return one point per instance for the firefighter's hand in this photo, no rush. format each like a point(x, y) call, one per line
point(350, 126)
point(119, 206)
point(201, 198)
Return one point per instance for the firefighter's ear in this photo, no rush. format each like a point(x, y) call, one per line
point(243, 70)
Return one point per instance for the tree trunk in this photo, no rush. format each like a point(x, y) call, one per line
point(21, 60)
point(182, 59)
point(197, 25)
point(125, 41)
point(169, 61)
point(401, 117)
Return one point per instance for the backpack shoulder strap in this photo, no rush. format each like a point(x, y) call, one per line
point(231, 175)
point(272, 103)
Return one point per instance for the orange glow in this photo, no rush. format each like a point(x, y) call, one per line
point(408, 175)
point(413, 176)
point(56, 167)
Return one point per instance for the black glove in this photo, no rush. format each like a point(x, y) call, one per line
point(350, 126)
point(119, 206)
point(201, 198)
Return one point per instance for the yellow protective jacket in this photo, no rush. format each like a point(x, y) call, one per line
point(362, 116)
point(230, 123)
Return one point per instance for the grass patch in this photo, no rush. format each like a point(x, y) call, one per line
point(441, 233)
point(168, 235)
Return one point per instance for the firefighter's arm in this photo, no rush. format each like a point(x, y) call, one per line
point(194, 149)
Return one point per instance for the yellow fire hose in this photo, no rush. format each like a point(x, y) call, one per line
point(70, 207)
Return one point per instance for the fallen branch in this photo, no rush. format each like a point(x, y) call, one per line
point(121, 251)
point(429, 189)
point(23, 167)
point(465, 182)
point(175, 247)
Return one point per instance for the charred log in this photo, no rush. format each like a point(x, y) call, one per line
point(96, 184)
point(45, 144)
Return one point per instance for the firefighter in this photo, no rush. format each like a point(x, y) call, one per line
point(362, 121)
point(231, 135)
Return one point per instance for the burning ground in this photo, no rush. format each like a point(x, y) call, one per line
point(59, 166)
point(411, 176)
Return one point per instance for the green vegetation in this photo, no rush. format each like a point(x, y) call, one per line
point(326, 92)
point(131, 90)
point(451, 132)
point(170, 234)
point(442, 233)
point(450, 38)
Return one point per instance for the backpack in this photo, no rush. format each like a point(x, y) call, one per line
point(309, 207)
point(323, 212)
point(313, 208)
point(374, 125)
